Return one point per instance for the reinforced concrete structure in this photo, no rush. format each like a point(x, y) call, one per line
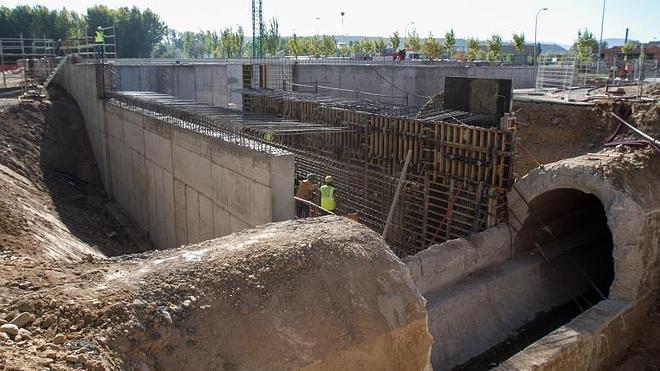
point(179, 182)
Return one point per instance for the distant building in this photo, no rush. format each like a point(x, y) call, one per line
point(614, 54)
point(524, 56)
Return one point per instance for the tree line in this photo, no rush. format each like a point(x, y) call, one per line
point(136, 31)
point(141, 33)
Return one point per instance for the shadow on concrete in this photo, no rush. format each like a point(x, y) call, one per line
point(71, 176)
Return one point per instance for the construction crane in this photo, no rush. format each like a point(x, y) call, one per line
point(258, 29)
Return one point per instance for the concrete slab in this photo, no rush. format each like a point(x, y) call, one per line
point(241, 201)
point(134, 136)
point(193, 142)
point(282, 169)
point(180, 212)
point(221, 183)
point(158, 150)
point(237, 225)
point(205, 218)
point(192, 215)
point(192, 169)
point(221, 221)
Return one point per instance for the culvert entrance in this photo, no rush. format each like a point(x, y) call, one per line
point(568, 230)
point(571, 225)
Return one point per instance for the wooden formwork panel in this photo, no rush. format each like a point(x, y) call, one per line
point(460, 173)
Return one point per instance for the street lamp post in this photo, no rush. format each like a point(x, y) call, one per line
point(405, 32)
point(600, 42)
point(317, 26)
point(536, 22)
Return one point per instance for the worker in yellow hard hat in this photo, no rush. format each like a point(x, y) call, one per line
point(99, 41)
point(328, 194)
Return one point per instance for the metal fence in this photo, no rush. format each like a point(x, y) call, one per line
point(555, 73)
point(13, 49)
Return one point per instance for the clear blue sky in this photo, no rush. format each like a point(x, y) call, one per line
point(477, 18)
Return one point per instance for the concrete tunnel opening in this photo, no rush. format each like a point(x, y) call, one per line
point(568, 229)
point(571, 223)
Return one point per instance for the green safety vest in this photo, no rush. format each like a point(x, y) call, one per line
point(98, 37)
point(327, 197)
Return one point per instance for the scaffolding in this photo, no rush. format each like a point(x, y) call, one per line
point(14, 49)
point(87, 48)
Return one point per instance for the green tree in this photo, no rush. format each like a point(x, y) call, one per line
point(356, 47)
point(294, 46)
point(481, 55)
point(193, 44)
point(136, 32)
point(413, 42)
point(432, 48)
point(273, 38)
point(314, 46)
point(368, 46)
point(232, 42)
point(472, 48)
point(450, 42)
point(99, 15)
point(494, 47)
point(329, 46)
point(379, 46)
point(585, 45)
point(519, 41)
point(628, 47)
point(395, 40)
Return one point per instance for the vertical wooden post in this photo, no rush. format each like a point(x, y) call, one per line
point(425, 211)
point(450, 195)
point(396, 193)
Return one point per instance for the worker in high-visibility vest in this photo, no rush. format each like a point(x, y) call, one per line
point(99, 39)
point(328, 194)
point(306, 190)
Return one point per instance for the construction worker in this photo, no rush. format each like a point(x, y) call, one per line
point(99, 40)
point(305, 191)
point(328, 195)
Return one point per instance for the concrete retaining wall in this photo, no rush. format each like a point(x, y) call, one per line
point(179, 186)
point(213, 83)
point(409, 84)
point(219, 83)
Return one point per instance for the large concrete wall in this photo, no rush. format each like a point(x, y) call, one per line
point(408, 83)
point(219, 82)
point(185, 187)
point(213, 83)
point(179, 186)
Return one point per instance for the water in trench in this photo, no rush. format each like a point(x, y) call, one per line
point(576, 222)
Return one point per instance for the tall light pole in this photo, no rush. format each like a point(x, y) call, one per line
point(600, 43)
point(317, 26)
point(343, 31)
point(405, 32)
point(536, 23)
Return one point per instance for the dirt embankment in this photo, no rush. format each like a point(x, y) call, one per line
point(51, 188)
point(52, 222)
point(550, 132)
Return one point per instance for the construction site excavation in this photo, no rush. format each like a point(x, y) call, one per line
point(335, 204)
